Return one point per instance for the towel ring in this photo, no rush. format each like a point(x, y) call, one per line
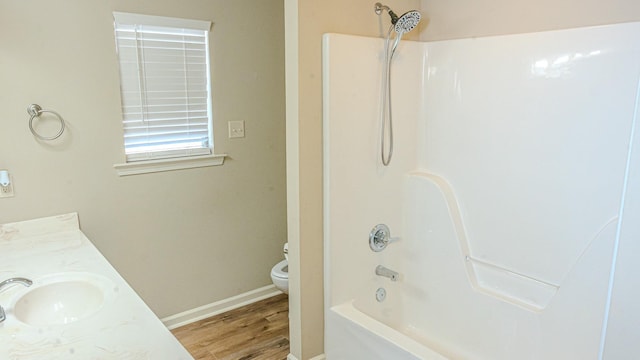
point(35, 111)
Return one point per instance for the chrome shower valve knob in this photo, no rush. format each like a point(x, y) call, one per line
point(380, 237)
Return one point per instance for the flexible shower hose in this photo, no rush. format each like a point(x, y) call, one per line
point(386, 97)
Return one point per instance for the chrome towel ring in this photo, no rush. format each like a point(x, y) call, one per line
point(35, 111)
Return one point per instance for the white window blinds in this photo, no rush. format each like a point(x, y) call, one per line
point(165, 86)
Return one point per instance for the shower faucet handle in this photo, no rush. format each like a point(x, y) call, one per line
point(380, 237)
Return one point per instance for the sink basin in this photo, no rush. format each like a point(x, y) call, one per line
point(63, 299)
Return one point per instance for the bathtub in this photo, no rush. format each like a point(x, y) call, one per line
point(352, 334)
point(448, 305)
point(422, 315)
point(508, 212)
point(365, 326)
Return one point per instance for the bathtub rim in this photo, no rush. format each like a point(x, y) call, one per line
point(348, 311)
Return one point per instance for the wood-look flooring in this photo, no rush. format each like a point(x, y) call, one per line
point(258, 331)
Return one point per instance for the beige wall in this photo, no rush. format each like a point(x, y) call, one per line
point(445, 20)
point(183, 238)
point(464, 18)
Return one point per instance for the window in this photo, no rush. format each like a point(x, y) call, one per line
point(165, 86)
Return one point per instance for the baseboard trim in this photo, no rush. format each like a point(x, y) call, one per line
point(218, 307)
point(319, 357)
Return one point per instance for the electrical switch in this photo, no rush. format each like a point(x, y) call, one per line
point(236, 129)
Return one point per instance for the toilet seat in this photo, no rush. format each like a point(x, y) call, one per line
point(280, 270)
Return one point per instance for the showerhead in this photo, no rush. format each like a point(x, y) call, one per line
point(407, 22)
point(402, 24)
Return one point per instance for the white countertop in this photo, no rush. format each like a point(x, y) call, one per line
point(124, 328)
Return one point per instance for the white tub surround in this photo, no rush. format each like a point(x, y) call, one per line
point(51, 250)
point(513, 191)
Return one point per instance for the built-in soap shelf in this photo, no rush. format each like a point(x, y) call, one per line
point(508, 285)
point(484, 276)
point(487, 277)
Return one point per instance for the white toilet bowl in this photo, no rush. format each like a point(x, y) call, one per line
point(280, 276)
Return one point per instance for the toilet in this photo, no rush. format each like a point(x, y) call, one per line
point(280, 272)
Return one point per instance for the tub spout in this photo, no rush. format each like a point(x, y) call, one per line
point(383, 271)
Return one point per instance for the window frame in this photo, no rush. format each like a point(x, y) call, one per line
point(168, 159)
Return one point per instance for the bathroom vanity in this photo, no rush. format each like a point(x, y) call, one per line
point(78, 306)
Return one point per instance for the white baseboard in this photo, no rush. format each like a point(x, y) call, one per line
point(218, 307)
point(319, 357)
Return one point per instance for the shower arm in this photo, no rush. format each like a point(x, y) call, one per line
point(379, 8)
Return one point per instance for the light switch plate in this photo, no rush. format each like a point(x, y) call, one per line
point(236, 129)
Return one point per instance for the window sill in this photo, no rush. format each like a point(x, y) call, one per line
point(151, 166)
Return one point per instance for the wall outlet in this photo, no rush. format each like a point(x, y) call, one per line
point(6, 191)
point(236, 129)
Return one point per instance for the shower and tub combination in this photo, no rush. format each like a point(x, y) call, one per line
point(503, 228)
